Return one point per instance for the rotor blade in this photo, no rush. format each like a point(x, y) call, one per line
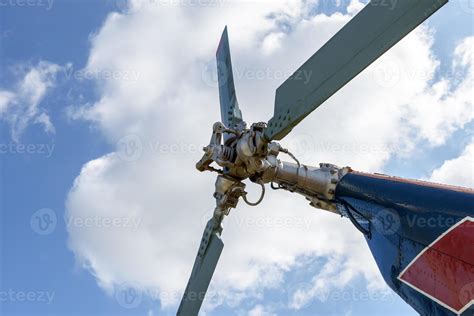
point(230, 112)
point(208, 255)
point(360, 42)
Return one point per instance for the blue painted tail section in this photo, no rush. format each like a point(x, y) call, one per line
point(422, 238)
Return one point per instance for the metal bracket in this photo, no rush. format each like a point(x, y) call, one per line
point(227, 194)
point(216, 151)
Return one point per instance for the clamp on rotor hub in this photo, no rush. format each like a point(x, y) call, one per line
point(241, 156)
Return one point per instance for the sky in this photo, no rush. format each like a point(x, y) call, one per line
point(104, 108)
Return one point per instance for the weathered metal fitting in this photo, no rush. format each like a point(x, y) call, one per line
point(218, 127)
point(246, 147)
point(227, 194)
point(317, 184)
point(260, 126)
point(224, 184)
point(323, 204)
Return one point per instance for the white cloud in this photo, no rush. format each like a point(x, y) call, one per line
point(439, 109)
point(161, 120)
point(5, 99)
point(354, 7)
point(458, 171)
point(260, 310)
point(21, 106)
point(331, 284)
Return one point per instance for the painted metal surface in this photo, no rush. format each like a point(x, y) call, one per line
point(443, 271)
point(422, 238)
point(231, 115)
point(205, 264)
point(358, 44)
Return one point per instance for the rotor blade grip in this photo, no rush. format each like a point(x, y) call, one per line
point(358, 44)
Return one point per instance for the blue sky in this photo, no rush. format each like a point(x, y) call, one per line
point(40, 274)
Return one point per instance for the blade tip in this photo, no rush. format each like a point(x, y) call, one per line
point(223, 37)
